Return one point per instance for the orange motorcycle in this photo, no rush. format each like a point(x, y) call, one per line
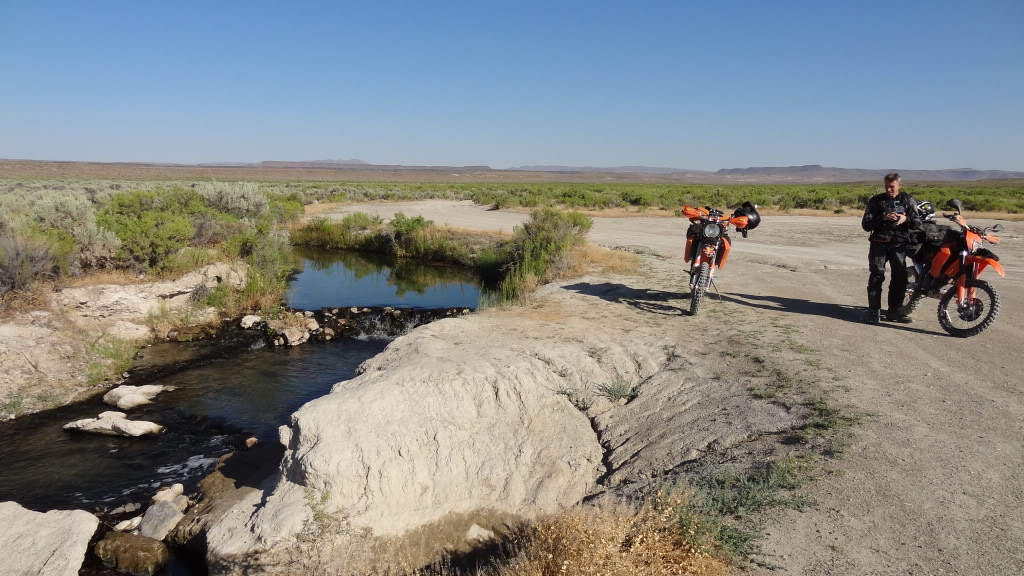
point(708, 244)
point(971, 305)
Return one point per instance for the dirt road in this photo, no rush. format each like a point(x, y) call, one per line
point(934, 480)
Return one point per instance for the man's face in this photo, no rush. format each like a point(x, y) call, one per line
point(892, 188)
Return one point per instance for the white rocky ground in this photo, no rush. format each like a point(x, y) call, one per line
point(45, 355)
point(477, 413)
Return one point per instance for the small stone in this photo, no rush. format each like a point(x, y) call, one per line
point(312, 325)
point(307, 314)
point(126, 509)
point(169, 493)
point(354, 310)
point(124, 375)
point(250, 442)
point(294, 336)
point(476, 533)
point(128, 525)
point(250, 321)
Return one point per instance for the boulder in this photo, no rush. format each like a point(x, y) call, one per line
point(128, 397)
point(114, 424)
point(160, 519)
point(48, 544)
point(451, 418)
point(136, 555)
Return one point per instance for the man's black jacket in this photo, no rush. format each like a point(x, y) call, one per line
point(888, 232)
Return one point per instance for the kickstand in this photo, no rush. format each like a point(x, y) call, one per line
point(715, 286)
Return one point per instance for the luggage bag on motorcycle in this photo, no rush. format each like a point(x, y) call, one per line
point(691, 237)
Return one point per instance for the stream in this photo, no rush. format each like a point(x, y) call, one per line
point(225, 391)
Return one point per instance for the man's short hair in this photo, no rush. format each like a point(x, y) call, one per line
point(892, 177)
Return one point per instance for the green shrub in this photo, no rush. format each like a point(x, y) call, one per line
point(241, 199)
point(149, 237)
point(283, 209)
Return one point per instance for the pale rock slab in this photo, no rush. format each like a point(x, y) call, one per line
point(114, 424)
point(48, 544)
point(128, 397)
point(160, 519)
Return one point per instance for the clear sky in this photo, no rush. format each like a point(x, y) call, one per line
point(686, 84)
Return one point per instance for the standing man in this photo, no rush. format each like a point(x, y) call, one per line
point(889, 216)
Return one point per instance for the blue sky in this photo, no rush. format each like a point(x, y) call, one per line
point(701, 85)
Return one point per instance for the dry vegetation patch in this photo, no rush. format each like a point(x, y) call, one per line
point(613, 540)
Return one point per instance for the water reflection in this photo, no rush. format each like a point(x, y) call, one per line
point(333, 278)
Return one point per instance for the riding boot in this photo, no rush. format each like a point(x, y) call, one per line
point(874, 314)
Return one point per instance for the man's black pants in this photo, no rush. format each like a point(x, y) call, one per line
point(896, 256)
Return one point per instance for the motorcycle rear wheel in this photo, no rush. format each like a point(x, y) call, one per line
point(976, 317)
point(700, 287)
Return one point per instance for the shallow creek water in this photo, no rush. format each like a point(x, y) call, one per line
point(221, 396)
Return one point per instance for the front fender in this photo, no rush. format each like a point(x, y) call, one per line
point(983, 263)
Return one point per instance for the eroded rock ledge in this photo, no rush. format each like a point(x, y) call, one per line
point(476, 413)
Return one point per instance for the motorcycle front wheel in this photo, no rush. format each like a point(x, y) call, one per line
point(700, 287)
point(974, 316)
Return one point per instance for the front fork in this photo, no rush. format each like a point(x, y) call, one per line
point(706, 252)
point(965, 293)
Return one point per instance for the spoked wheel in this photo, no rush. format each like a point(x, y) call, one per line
point(977, 313)
point(700, 287)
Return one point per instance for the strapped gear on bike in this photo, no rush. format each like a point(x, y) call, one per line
point(925, 211)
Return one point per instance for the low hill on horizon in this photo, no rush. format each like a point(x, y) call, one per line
point(358, 169)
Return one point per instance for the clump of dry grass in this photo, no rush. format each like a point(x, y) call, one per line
point(611, 541)
point(35, 296)
point(119, 277)
point(163, 318)
point(590, 258)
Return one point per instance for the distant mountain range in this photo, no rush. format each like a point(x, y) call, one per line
point(796, 174)
point(290, 164)
point(320, 169)
point(636, 169)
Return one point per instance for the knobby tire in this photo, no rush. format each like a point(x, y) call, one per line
point(700, 287)
point(990, 314)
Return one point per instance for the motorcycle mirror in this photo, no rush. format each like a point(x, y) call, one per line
point(956, 204)
point(997, 228)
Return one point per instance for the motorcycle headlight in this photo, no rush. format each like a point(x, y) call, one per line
point(976, 246)
point(712, 230)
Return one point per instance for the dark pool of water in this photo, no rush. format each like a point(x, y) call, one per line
point(213, 409)
point(342, 279)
